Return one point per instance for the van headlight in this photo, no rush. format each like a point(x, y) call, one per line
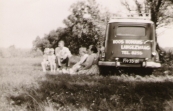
point(154, 53)
point(146, 59)
point(102, 56)
point(116, 59)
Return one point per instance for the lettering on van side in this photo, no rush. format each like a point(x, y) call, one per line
point(129, 42)
point(135, 47)
point(132, 52)
point(132, 47)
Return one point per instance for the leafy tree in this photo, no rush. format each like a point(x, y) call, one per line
point(84, 26)
point(55, 36)
point(161, 10)
point(41, 43)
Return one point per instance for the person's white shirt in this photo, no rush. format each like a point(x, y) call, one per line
point(63, 52)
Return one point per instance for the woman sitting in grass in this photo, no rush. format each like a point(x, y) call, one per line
point(89, 67)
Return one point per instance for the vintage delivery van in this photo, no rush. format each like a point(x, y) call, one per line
point(129, 42)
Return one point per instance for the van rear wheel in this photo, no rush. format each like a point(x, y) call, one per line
point(147, 71)
point(137, 71)
point(108, 70)
point(105, 70)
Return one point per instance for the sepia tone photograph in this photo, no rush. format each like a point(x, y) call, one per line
point(86, 55)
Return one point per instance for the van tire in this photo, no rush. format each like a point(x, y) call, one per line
point(139, 71)
point(108, 70)
point(148, 71)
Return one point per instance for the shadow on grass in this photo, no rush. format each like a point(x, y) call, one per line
point(96, 93)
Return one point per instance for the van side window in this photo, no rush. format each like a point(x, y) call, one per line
point(131, 31)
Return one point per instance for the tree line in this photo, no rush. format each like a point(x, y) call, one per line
point(87, 22)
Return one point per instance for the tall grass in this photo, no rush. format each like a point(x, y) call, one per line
point(16, 75)
point(23, 86)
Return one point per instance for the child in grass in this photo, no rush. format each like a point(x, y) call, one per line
point(51, 59)
point(45, 61)
point(83, 56)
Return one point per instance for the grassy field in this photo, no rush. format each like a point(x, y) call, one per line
point(24, 87)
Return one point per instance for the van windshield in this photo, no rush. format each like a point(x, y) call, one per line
point(131, 31)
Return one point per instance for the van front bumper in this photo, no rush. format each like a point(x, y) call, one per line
point(149, 64)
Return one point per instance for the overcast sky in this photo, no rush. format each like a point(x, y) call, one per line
point(21, 21)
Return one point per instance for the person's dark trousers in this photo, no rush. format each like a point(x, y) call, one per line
point(65, 61)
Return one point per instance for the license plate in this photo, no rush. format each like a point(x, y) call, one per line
point(125, 60)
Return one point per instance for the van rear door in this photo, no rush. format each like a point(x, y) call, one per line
point(127, 40)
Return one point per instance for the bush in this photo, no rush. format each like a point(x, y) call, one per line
point(16, 52)
point(167, 64)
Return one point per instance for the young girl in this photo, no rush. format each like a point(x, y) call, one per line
point(45, 61)
point(51, 59)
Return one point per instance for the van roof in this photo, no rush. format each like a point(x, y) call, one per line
point(131, 20)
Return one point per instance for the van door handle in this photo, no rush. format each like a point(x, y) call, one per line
point(148, 41)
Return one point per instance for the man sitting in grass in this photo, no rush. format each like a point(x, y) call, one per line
point(62, 54)
point(45, 61)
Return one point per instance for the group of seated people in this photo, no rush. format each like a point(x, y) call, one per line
point(86, 65)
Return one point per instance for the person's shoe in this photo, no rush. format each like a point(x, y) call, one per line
point(58, 71)
point(60, 67)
